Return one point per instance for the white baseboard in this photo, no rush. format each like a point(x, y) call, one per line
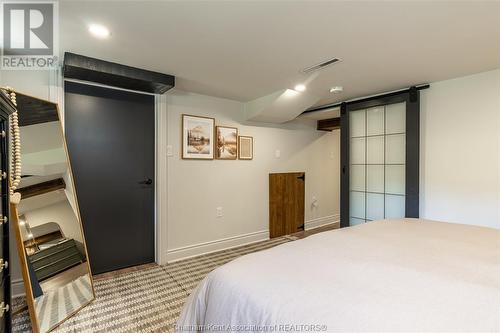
point(216, 245)
point(322, 221)
point(227, 243)
point(17, 288)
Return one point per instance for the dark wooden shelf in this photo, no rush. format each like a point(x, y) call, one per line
point(329, 124)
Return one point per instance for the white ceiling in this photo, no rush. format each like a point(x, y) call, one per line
point(245, 50)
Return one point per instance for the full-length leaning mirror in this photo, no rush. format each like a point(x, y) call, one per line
point(51, 243)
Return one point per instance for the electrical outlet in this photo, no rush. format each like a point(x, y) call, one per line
point(219, 212)
point(314, 202)
point(277, 153)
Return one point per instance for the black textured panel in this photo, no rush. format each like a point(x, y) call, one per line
point(33, 110)
point(112, 74)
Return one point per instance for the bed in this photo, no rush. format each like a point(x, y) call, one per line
point(391, 275)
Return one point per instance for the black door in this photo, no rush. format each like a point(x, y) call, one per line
point(111, 142)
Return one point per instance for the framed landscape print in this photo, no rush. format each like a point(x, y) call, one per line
point(245, 147)
point(197, 137)
point(226, 143)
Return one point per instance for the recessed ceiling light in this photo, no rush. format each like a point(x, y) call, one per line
point(300, 87)
point(99, 31)
point(337, 89)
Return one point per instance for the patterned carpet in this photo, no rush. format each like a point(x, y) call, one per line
point(149, 300)
point(54, 306)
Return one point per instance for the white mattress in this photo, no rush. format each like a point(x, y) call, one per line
point(393, 275)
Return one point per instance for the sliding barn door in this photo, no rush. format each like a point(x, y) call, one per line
point(286, 203)
point(380, 160)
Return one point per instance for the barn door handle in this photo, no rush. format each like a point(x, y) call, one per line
point(303, 177)
point(148, 181)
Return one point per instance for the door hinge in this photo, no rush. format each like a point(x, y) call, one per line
point(303, 177)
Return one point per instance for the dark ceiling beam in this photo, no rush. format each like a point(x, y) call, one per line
point(42, 188)
point(328, 124)
point(32, 111)
point(362, 99)
point(84, 68)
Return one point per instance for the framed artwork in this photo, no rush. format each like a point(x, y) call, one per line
point(197, 137)
point(226, 143)
point(245, 147)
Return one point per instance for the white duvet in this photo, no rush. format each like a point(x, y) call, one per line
point(397, 275)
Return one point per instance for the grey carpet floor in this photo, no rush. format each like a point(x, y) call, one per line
point(148, 300)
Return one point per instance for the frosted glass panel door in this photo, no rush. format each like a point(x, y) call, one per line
point(377, 157)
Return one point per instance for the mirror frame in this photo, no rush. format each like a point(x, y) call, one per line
point(20, 245)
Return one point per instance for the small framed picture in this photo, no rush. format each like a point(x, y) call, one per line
point(226, 143)
point(197, 137)
point(245, 147)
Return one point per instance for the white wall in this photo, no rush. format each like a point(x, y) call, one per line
point(460, 167)
point(196, 188)
point(460, 150)
point(33, 83)
point(243, 192)
point(59, 212)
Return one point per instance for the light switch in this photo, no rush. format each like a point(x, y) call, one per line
point(169, 151)
point(219, 212)
point(277, 153)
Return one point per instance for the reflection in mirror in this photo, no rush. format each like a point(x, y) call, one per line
point(50, 230)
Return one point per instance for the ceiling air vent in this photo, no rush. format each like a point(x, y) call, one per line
point(320, 65)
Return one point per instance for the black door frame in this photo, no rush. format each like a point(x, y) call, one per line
point(412, 99)
point(159, 175)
